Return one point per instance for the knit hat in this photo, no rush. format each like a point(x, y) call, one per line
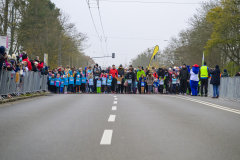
point(2, 50)
point(225, 70)
point(217, 67)
point(24, 56)
point(195, 65)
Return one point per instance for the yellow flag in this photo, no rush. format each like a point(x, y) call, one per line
point(154, 53)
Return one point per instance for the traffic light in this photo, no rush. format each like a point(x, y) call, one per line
point(113, 55)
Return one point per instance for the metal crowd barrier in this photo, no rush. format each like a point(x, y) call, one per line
point(229, 88)
point(13, 84)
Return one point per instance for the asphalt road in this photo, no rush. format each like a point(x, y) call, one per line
point(136, 127)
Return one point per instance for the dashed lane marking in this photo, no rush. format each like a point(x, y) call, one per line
point(111, 118)
point(115, 102)
point(115, 96)
point(107, 137)
point(115, 99)
point(114, 108)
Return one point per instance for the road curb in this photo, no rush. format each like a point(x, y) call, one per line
point(24, 97)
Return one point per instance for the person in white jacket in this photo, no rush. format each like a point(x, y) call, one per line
point(194, 79)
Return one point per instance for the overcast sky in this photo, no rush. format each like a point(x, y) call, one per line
point(149, 24)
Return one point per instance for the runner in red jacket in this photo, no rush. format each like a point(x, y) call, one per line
point(114, 73)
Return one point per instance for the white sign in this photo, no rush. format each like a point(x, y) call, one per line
point(4, 41)
point(46, 59)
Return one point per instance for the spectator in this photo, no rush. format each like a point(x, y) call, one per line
point(155, 75)
point(238, 74)
point(194, 79)
point(204, 74)
point(96, 75)
point(108, 69)
point(142, 81)
point(89, 70)
point(114, 73)
point(225, 74)
point(25, 59)
point(121, 70)
point(184, 77)
point(215, 81)
point(34, 65)
point(96, 67)
point(8, 65)
point(131, 68)
point(139, 74)
point(131, 80)
point(171, 72)
point(150, 81)
point(166, 80)
point(161, 73)
point(67, 70)
point(40, 64)
point(2, 51)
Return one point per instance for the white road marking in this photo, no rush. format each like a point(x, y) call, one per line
point(111, 118)
point(114, 108)
point(115, 102)
point(115, 96)
point(210, 104)
point(115, 99)
point(107, 137)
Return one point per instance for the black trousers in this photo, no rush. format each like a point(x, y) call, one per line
point(114, 84)
point(139, 86)
point(53, 88)
point(120, 88)
point(167, 86)
point(146, 88)
point(204, 83)
point(183, 85)
point(83, 87)
point(95, 86)
point(160, 89)
point(104, 88)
